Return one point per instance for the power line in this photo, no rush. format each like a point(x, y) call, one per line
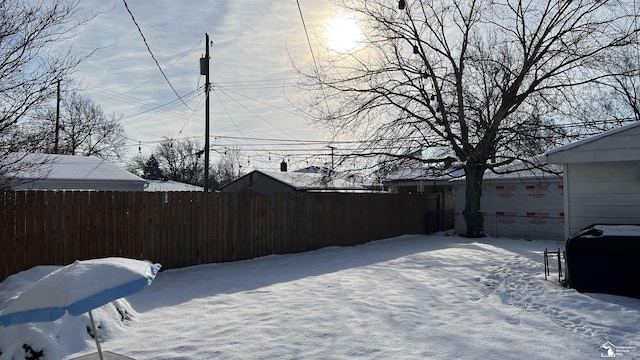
point(229, 116)
point(315, 64)
point(257, 81)
point(154, 110)
point(153, 56)
point(256, 100)
point(304, 25)
point(112, 94)
point(256, 115)
point(300, 142)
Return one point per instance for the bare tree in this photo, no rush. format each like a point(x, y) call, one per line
point(228, 167)
point(84, 129)
point(29, 63)
point(138, 163)
point(478, 83)
point(181, 160)
point(623, 90)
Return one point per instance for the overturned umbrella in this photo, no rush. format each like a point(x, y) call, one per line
point(78, 288)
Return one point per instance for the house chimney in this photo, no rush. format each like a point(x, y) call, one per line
point(283, 166)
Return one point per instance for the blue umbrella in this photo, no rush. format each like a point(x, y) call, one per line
point(78, 288)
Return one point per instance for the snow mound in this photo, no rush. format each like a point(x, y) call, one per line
point(69, 334)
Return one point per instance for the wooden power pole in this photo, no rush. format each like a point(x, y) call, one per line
point(57, 132)
point(204, 70)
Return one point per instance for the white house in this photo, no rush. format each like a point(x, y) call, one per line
point(601, 178)
point(69, 172)
point(525, 204)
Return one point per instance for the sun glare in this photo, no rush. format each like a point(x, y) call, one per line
point(343, 33)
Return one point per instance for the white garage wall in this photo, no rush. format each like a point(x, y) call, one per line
point(603, 192)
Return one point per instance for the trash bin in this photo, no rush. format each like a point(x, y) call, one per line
point(605, 259)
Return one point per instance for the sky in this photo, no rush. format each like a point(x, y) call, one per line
point(410, 297)
point(253, 45)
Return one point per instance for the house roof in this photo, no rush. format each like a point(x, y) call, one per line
point(422, 174)
point(313, 169)
point(307, 181)
point(521, 170)
point(617, 144)
point(310, 181)
point(170, 185)
point(67, 168)
point(514, 171)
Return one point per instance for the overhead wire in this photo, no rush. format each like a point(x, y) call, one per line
point(256, 100)
point(256, 115)
point(259, 83)
point(304, 25)
point(156, 109)
point(315, 63)
point(153, 56)
point(121, 94)
point(199, 106)
point(228, 115)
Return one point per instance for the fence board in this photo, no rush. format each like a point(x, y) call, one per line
point(39, 246)
point(20, 224)
point(139, 221)
point(31, 219)
point(111, 232)
point(10, 228)
point(4, 231)
point(189, 228)
point(166, 226)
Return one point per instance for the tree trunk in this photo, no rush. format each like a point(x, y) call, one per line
point(472, 213)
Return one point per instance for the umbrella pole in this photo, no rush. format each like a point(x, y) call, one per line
point(95, 335)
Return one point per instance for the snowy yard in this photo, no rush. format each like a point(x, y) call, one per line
point(412, 297)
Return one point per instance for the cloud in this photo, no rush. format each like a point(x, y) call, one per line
point(252, 42)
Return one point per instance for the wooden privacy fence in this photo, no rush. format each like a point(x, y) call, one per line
point(180, 229)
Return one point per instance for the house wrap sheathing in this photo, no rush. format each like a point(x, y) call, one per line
point(525, 204)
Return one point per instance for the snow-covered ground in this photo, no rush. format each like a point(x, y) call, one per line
point(411, 297)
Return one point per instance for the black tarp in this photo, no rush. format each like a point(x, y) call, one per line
point(605, 259)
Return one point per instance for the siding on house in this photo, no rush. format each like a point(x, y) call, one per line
point(620, 144)
point(605, 193)
point(601, 178)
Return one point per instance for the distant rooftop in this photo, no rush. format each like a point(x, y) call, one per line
point(312, 180)
point(170, 185)
point(67, 167)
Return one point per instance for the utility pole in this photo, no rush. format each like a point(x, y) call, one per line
point(55, 144)
point(332, 164)
point(204, 70)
